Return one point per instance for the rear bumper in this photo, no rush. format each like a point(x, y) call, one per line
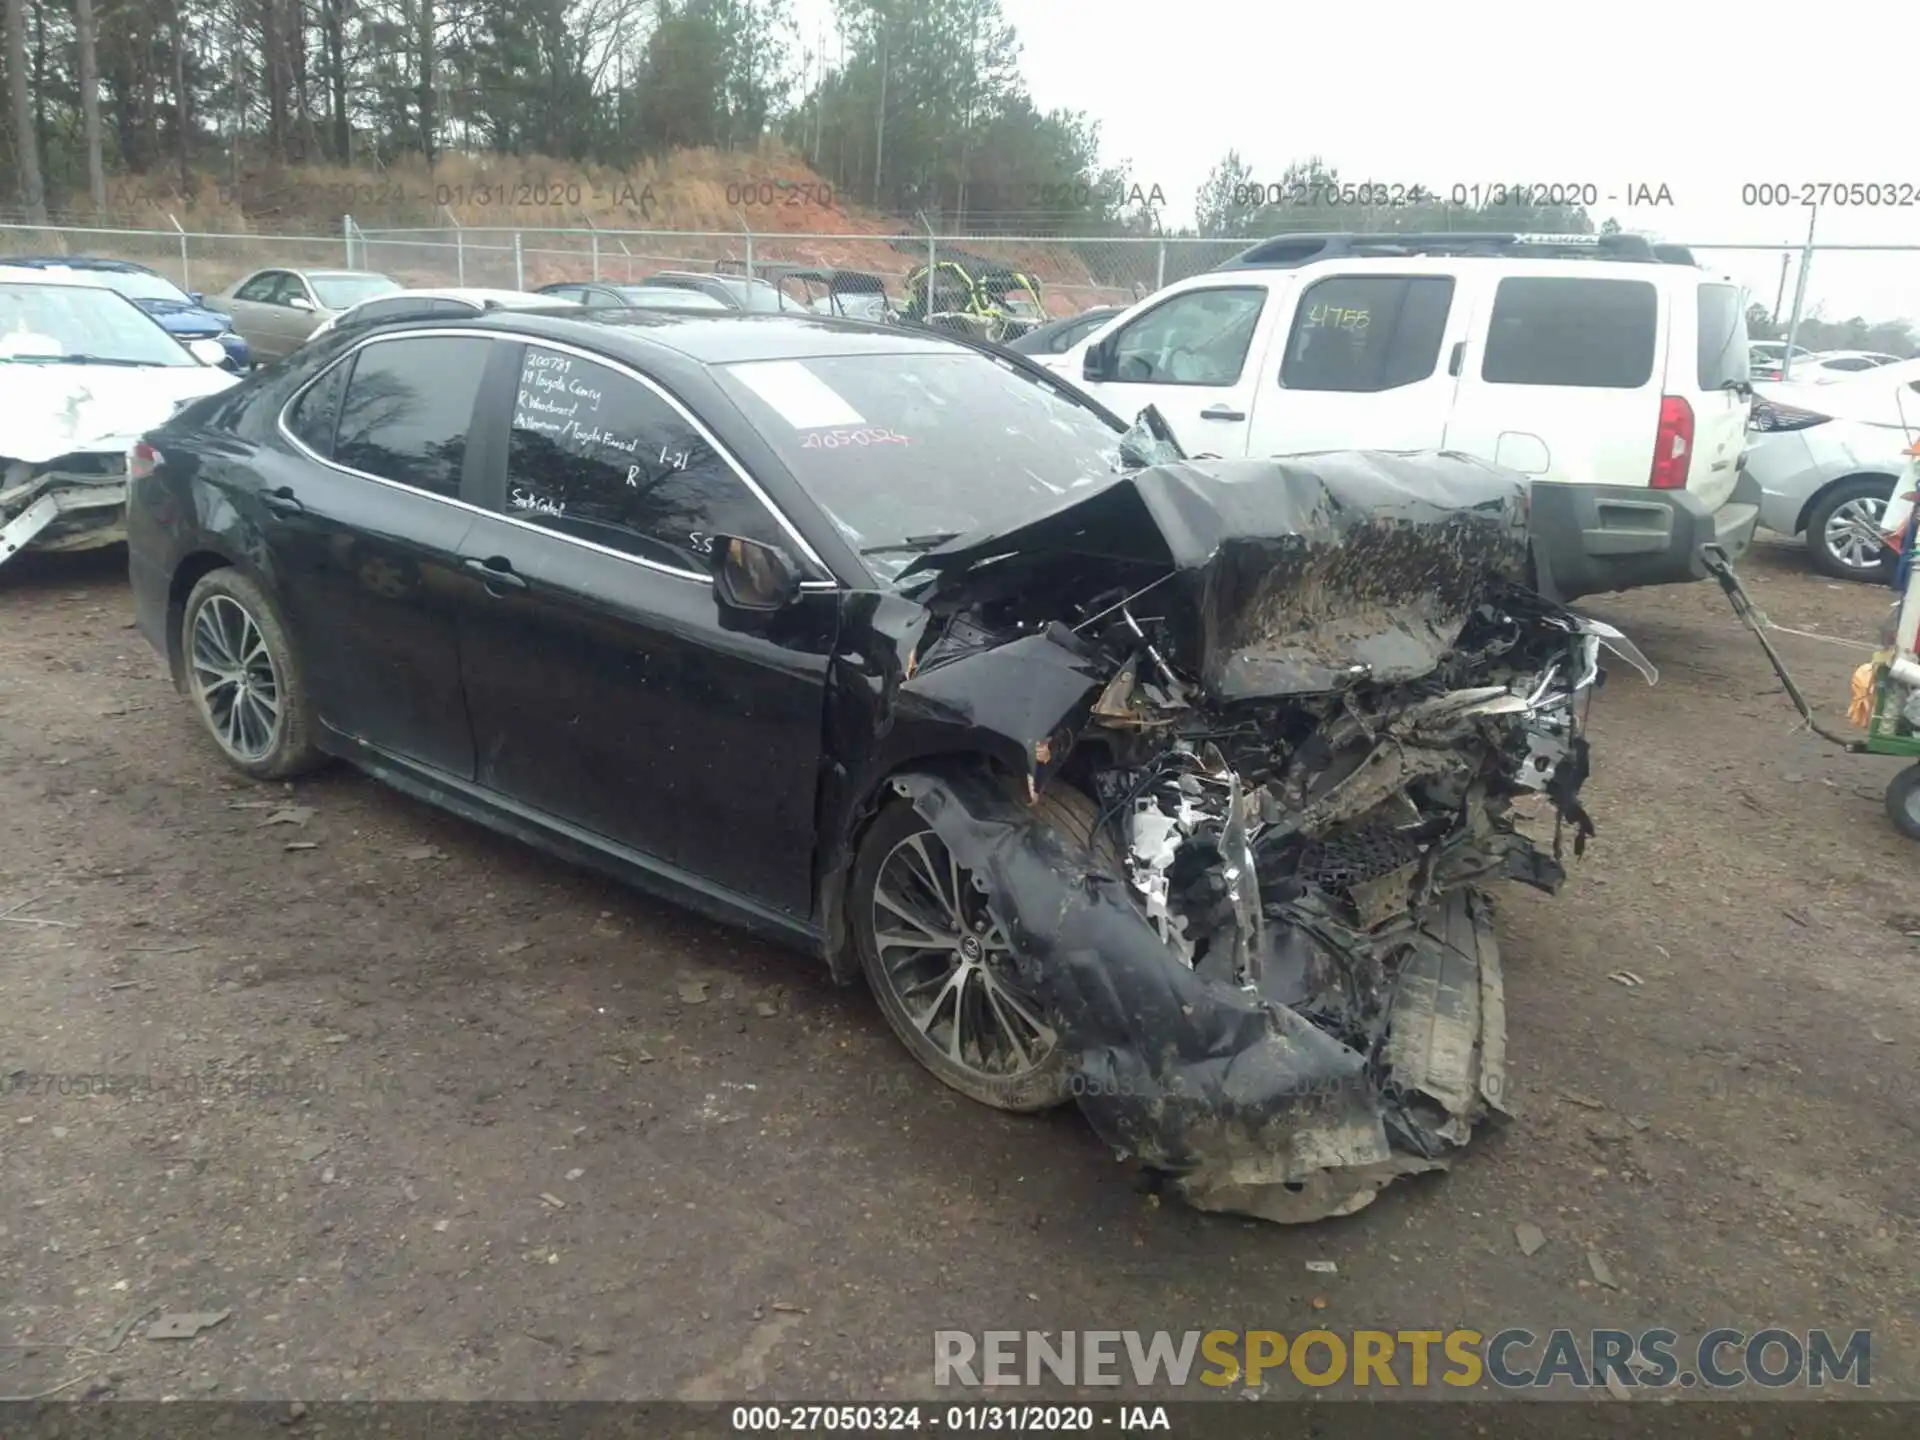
point(1593, 538)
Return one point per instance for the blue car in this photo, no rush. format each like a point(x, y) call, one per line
point(184, 316)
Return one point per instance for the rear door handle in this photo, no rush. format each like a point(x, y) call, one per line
point(1221, 412)
point(282, 501)
point(496, 573)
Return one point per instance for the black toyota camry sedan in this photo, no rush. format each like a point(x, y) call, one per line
point(1092, 759)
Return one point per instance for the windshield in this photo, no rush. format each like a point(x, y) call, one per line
point(899, 448)
point(46, 323)
point(337, 292)
point(139, 285)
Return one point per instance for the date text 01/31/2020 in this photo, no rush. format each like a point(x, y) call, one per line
point(866, 1419)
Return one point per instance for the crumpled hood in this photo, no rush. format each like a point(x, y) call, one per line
point(55, 409)
point(1290, 576)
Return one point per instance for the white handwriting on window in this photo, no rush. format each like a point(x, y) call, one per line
point(526, 500)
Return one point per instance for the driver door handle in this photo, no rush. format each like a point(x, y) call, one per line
point(1222, 412)
point(496, 573)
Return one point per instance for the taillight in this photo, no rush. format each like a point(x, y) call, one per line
point(142, 460)
point(1771, 415)
point(1672, 444)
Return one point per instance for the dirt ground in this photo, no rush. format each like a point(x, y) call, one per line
point(429, 1114)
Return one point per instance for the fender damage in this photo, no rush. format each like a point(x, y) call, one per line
point(1310, 701)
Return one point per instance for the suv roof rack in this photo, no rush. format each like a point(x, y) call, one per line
point(1285, 252)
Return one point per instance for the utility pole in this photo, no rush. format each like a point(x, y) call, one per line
point(880, 124)
point(966, 126)
point(1799, 294)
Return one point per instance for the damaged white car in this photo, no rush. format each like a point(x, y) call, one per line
point(83, 373)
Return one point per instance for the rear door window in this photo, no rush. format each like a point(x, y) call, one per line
point(1584, 333)
point(1366, 333)
point(1723, 336)
point(407, 409)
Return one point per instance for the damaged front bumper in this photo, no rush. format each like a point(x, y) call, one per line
point(74, 502)
point(1330, 1015)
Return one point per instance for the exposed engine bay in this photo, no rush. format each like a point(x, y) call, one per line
point(1314, 710)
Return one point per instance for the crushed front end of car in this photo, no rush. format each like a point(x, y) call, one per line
point(1313, 704)
point(75, 501)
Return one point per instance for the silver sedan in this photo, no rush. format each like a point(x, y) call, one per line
point(276, 310)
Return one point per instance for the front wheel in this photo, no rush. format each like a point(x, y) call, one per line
point(1843, 532)
point(942, 966)
point(245, 680)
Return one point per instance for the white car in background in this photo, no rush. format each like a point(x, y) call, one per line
point(1827, 367)
point(84, 372)
point(1825, 457)
point(1767, 356)
point(1615, 379)
point(450, 300)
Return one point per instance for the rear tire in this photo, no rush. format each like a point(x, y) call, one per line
point(1903, 802)
point(246, 682)
point(982, 1035)
point(1843, 534)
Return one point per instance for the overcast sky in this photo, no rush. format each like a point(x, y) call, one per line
point(1695, 96)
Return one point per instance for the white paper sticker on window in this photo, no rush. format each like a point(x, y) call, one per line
point(801, 398)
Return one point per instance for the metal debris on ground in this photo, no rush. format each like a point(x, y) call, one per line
point(290, 815)
point(1626, 978)
point(554, 1200)
point(1600, 1270)
point(1323, 1267)
point(185, 1324)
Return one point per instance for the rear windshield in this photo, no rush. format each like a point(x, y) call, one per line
point(1592, 334)
point(1723, 337)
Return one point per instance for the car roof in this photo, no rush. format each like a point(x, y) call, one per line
point(709, 338)
point(79, 262)
point(480, 295)
point(33, 275)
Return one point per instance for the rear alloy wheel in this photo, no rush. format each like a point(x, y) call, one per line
point(1843, 531)
point(943, 970)
point(244, 680)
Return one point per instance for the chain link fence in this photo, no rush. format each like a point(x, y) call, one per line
point(1074, 273)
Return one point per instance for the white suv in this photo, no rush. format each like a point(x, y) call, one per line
point(1616, 379)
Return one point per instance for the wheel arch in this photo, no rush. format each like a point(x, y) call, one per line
point(863, 805)
point(1812, 502)
point(195, 566)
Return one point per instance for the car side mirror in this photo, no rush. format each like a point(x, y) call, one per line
point(197, 297)
point(208, 352)
point(751, 576)
point(300, 302)
point(1098, 364)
